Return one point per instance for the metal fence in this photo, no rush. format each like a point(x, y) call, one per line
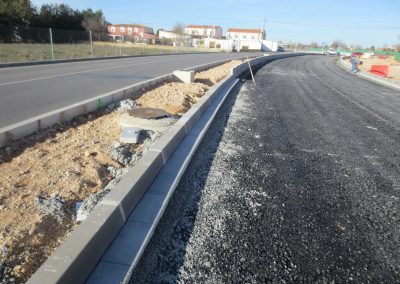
point(21, 44)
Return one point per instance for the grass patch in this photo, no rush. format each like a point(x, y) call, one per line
point(22, 52)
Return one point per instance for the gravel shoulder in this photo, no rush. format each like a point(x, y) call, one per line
point(297, 180)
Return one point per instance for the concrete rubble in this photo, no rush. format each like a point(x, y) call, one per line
point(53, 206)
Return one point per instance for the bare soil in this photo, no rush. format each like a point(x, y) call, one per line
point(176, 98)
point(64, 165)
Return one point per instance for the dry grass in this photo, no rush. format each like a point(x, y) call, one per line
point(22, 52)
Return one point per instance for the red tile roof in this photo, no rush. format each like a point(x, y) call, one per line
point(130, 26)
point(255, 31)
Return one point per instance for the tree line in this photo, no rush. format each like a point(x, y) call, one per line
point(20, 21)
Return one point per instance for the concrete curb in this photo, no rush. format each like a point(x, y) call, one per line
point(29, 126)
point(369, 77)
point(43, 62)
point(75, 259)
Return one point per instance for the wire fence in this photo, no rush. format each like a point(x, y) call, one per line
point(21, 44)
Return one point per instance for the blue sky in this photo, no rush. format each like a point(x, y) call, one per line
point(368, 22)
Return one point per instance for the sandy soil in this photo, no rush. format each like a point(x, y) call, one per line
point(45, 175)
point(177, 98)
point(394, 65)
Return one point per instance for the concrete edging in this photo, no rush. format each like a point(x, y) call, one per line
point(368, 77)
point(74, 259)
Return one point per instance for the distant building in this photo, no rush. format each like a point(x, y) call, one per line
point(163, 34)
point(133, 32)
point(172, 38)
point(246, 34)
point(204, 31)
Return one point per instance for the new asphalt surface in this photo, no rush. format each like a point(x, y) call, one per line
point(29, 91)
point(297, 180)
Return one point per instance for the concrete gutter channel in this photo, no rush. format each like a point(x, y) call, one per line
point(106, 247)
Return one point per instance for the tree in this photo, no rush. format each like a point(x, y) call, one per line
point(179, 29)
point(314, 44)
point(338, 44)
point(15, 15)
point(16, 12)
point(94, 20)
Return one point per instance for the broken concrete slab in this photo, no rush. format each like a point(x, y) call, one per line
point(130, 135)
point(157, 125)
point(186, 77)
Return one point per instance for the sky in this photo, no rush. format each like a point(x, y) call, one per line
point(367, 23)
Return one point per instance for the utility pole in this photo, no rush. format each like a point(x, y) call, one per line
point(264, 24)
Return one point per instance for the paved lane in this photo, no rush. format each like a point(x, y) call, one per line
point(297, 181)
point(32, 90)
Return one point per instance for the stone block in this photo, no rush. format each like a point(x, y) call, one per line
point(186, 77)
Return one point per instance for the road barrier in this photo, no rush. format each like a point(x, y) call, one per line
point(380, 70)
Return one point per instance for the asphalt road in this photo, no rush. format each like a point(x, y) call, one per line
point(298, 180)
point(33, 90)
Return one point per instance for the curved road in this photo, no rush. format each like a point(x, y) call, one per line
point(33, 90)
point(298, 180)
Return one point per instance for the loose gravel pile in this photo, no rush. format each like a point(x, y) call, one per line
point(52, 179)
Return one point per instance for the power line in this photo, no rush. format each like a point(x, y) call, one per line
point(333, 26)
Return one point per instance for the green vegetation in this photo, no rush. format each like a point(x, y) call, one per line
point(20, 21)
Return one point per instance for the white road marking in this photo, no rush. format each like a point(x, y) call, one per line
point(82, 72)
point(370, 127)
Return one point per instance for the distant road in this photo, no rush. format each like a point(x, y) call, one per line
point(29, 91)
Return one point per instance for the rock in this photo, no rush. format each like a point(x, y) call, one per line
point(90, 153)
point(121, 153)
point(125, 105)
point(53, 206)
point(130, 135)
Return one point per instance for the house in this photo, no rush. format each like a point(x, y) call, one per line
point(245, 34)
point(172, 38)
point(132, 32)
point(163, 34)
point(204, 31)
point(246, 39)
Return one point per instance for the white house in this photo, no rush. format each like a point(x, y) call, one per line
point(204, 31)
point(162, 34)
point(245, 34)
